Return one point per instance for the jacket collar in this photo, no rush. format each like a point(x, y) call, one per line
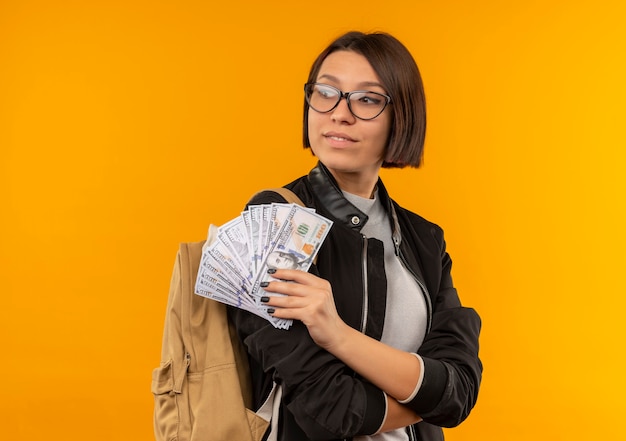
point(327, 191)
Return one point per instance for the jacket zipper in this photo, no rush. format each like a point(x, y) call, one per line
point(411, 429)
point(421, 284)
point(365, 286)
point(412, 434)
point(365, 292)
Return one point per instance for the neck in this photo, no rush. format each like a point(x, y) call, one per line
point(356, 183)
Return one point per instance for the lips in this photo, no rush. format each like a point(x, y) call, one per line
point(336, 136)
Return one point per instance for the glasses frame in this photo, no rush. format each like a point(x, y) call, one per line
point(341, 94)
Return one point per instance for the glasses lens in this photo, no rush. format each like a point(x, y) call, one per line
point(321, 97)
point(367, 105)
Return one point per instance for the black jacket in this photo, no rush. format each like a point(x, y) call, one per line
point(322, 398)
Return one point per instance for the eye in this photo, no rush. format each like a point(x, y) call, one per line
point(368, 98)
point(326, 92)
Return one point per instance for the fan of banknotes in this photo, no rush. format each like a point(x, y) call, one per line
point(237, 255)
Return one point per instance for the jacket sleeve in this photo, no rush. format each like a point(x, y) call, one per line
point(323, 395)
point(452, 368)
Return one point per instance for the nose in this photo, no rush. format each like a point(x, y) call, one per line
point(342, 112)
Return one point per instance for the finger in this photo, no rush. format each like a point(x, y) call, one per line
point(285, 313)
point(295, 289)
point(299, 276)
point(290, 288)
point(290, 302)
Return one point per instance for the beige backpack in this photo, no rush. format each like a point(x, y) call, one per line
point(202, 387)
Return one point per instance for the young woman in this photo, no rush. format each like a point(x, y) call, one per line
point(381, 348)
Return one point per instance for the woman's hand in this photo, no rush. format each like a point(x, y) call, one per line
point(307, 298)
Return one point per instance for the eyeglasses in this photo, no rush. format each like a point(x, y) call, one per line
point(363, 104)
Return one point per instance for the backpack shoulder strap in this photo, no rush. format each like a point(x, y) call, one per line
point(287, 194)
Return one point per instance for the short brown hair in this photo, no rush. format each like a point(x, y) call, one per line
point(401, 79)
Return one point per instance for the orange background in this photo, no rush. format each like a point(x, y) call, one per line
point(128, 126)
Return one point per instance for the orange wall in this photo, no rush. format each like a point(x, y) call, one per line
point(127, 126)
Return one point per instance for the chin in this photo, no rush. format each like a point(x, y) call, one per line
point(344, 165)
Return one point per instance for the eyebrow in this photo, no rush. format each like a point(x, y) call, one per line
point(361, 84)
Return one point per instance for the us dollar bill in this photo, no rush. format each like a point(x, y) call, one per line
point(294, 246)
point(238, 254)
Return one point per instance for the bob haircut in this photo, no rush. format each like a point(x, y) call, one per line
point(401, 79)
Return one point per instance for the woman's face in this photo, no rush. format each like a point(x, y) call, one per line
point(345, 144)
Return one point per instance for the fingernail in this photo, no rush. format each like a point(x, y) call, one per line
point(270, 310)
point(264, 284)
point(265, 299)
point(271, 271)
